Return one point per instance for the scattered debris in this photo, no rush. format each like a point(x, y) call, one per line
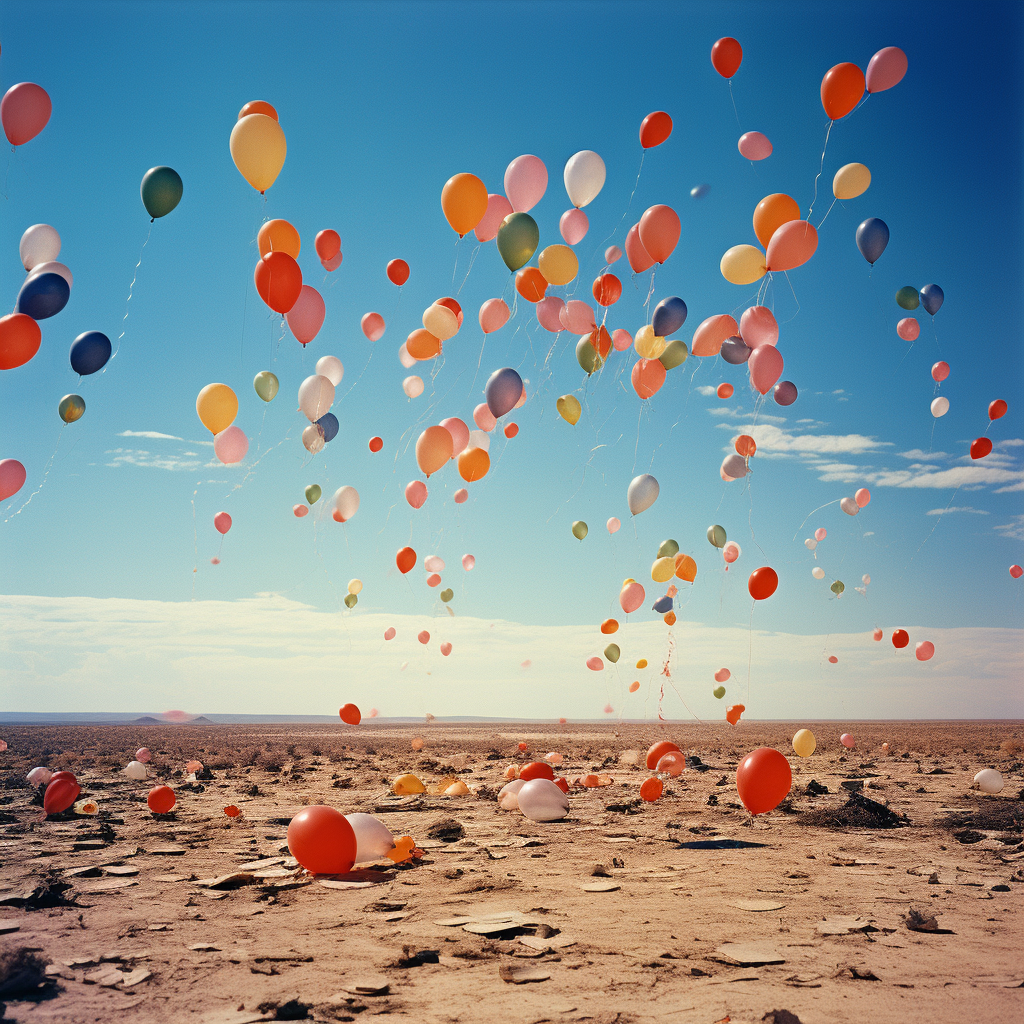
point(522, 975)
point(22, 974)
point(858, 812)
point(922, 921)
point(447, 830)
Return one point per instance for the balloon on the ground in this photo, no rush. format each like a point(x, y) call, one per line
point(763, 779)
point(61, 792)
point(989, 781)
point(161, 799)
point(804, 743)
point(542, 800)
point(137, 770)
point(321, 839)
point(374, 839)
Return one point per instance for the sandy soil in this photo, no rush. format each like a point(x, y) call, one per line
point(134, 931)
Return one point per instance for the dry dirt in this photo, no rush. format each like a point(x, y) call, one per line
point(112, 909)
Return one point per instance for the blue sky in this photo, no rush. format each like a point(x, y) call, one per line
point(377, 119)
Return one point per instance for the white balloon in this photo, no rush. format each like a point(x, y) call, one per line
point(39, 776)
point(136, 770)
point(940, 406)
point(404, 358)
point(642, 493)
point(818, 573)
point(989, 780)
point(313, 438)
point(331, 368)
point(542, 800)
point(734, 467)
point(413, 386)
point(316, 394)
point(849, 506)
point(346, 501)
point(508, 797)
point(865, 579)
point(39, 244)
point(584, 177)
point(432, 563)
point(810, 543)
point(440, 321)
point(479, 439)
point(53, 268)
point(373, 838)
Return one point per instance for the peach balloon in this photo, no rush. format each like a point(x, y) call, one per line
point(460, 434)
point(771, 213)
point(484, 418)
point(548, 313)
point(494, 314)
point(708, 338)
point(416, 493)
point(758, 326)
point(612, 254)
point(498, 208)
point(754, 146)
point(574, 225)
point(792, 245)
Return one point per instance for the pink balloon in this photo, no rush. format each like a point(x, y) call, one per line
point(1016, 572)
point(820, 533)
point(526, 180)
point(484, 418)
point(333, 263)
point(924, 650)
point(908, 328)
point(12, 477)
point(876, 634)
point(631, 597)
point(423, 637)
point(574, 225)
point(577, 317)
point(389, 633)
point(792, 245)
point(708, 338)
point(595, 664)
point(373, 326)
point(758, 326)
point(214, 561)
point(621, 339)
point(221, 523)
point(143, 754)
point(300, 510)
point(765, 366)
point(833, 660)
point(498, 208)
point(460, 495)
point(24, 111)
point(734, 467)
point(611, 254)
point(446, 649)
point(468, 561)
point(614, 524)
point(306, 317)
point(460, 434)
point(754, 146)
point(659, 231)
point(847, 740)
point(433, 563)
point(862, 497)
point(886, 69)
point(548, 313)
point(404, 358)
point(722, 675)
point(416, 493)
point(230, 445)
point(940, 371)
point(639, 259)
point(494, 314)
point(433, 580)
point(731, 552)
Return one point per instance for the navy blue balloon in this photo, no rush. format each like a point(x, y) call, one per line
point(328, 423)
point(734, 351)
point(931, 298)
point(43, 296)
point(90, 352)
point(662, 605)
point(669, 316)
point(872, 238)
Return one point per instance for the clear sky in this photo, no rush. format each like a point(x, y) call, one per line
point(111, 601)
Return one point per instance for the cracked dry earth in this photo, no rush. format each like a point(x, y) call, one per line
point(683, 910)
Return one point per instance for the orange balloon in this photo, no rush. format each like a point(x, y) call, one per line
point(322, 841)
point(161, 799)
point(590, 781)
point(474, 464)
point(607, 289)
point(763, 779)
point(280, 236)
point(464, 202)
point(657, 751)
point(733, 712)
point(686, 568)
point(647, 376)
point(745, 445)
point(278, 281)
point(841, 90)
point(536, 770)
point(670, 618)
point(763, 583)
point(609, 626)
point(651, 789)
point(655, 129)
point(792, 245)
point(434, 447)
point(511, 429)
point(20, 338)
point(726, 56)
point(327, 244)
point(562, 784)
point(232, 811)
point(421, 344)
point(350, 714)
point(405, 560)
point(771, 213)
point(398, 272)
point(531, 284)
point(257, 107)
point(634, 686)
point(601, 340)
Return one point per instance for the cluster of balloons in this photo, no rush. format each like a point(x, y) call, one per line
point(217, 407)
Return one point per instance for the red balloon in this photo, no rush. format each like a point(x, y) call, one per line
point(651, 789)
point(278, 281)
point(232, 811)
point(20, 338)
point(398, 272)
point(657, 751)
point(258, 107)
point(607, 288)
point(997, 409)
point(536, 770)
point(726, 56)
point(322, 841)
point(328, 244)
point(350, 714)
point(57, 776)
point(511, 429)
point(60, 793)
point(980, 447)
point(733, 712)
point(763, 780)
point(841, 90)
point(648, 375)
point(405, 560)
point(659, 232)
point(639, 259)
point(531, 284)
point(562, 784)
point(24, 111)
point(900, 638)
point(656, 128)
point(451, 304)
point(376, 443)
point(161, 799)
point(763, 583)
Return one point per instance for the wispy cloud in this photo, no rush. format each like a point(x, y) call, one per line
point(139, 457)
point(919, 456)
point(773, 438)
point(1013, 530)
point(707, 390)
point(153, 435)
point(956, 508)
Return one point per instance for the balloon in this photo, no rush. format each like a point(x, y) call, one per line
point(531, 284)
point(849, 506)
point(313, 439)
point(434, 448)
point(838, 587)
point(876, 634)
point(924, 650)
point(258, 107)
point(674, 355)
point(980, 447)
point(483, 418)
point(820, 533)
point(908, 329)
point(669, 316)
point(258, 148)
point(574, 225)
point(221, 523)
point(685, 568)
point(758, 326)
point(416, 493)
point(659, 232)
point(60, 793)
point(639, 259)
point(346, 502)
point(89, 352)
point(733, 467)
point(40, 244)
point(872, 238)
point(350, 714)
point(39, 776)
point(398, 272)
point(719, 692)
point(526, 180)
point(432, 563)
point(459, 433)
point(161, 799)
point(647, 344)
point(217, 407)
point(733, 351)
point(421, 344)
point(851, 180)
point(54, 268)
point(299, 511)
point(409, 785)
point(332, 368)
point(771, 213)
point(558, 264)
point(327, 244)
point(316, 395)
point(405, 560)
point(940, 406)
point(847, 740)
point(621, 340)
point(908, 297)
point(997, 409)
point(733, 713)
point(584, 177)
point(754, 146)
point(536, 770)
point(1015, 570)
point(613, 524)
point(655, 129)
point(464, 202)
point(742, 264)
point(508, 795)
point(763, 779)
point(161, 191)
point(607, 289)
point(726, 390)
point(762, 583)
point(862, 497)
point(511, 430)
point(71, 408)
point(278, 236)
point(548, 310)
point(578, 317)
point(708, 338)
point(266, 385)
point(642, 493)
point(745, 445)
point(841, 90)
point(321, 839)
point(765, 365)
point(328, 424)
point(886, 69)
point(631, 596)
point(474, 464)
point(785, 393)
point(931, 298)
point(278, 281)
point(43, 296)
point(579, 529)
point(804, 743)
point(440, 322)
point(137, 771)
point(376, 443)
point(542, 800)
point(818, 573)
point(518, 238)
point(726, 56)
point(668, 549)
point(989, 781)
point(306, 316)
point(792, 245)
point(24, 111)
point(494, 314)
point(900, 638)
point(413, 386)
point(504, 388)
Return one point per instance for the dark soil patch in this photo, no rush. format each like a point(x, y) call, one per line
point(989, 815)
point(858, 812)
point(447, 830)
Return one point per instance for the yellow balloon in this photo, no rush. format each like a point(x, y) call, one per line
point(743, 264)
point(217, 404)
point(558, 264)
point(355, 586)
point(642, 663)
point(663, 570)
point(851, 180)
point(569, 409)
point(440, 321)
point(407, 785)
point(804, 743)
point(258, 148)
point(648, 344)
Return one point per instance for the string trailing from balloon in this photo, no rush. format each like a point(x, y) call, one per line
point(127, 306)
point(42, 483)
point(821, 169)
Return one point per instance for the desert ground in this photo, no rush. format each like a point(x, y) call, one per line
point(907, 908)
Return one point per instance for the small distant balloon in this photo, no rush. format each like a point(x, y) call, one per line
point(699, 191)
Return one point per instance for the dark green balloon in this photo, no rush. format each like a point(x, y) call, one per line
point(447, 595)
point(161, 191)
point(612, 652)
point(587, 356)
point(908, 297)
point(351, 600)
point(518, 238)
point(674, 355)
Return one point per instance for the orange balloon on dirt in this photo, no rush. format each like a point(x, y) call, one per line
point(278, 281)
point(562, 784)
point(771, 213)
point(405, 560)
point(651, 789)
point(686, 568)
point(763, 779)
point(321, 839)
point(464, 202)
point(421, 344)
point(607, 290)
point(474, 464)
point(257, 107)
point(280, 236)
point(657, 751)
point(841, 90)
point(398, 272)
point(590, 781)
point(531, 284)
point(161, 799)
point(536, 770)
point(232, 811)
point(350, 714)
point(609, 626)
point(20, 338)
point(746, 445)
point(763, 583)
point(726, 56)
point(733, 712)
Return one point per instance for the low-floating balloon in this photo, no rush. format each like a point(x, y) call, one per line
point(763, 779)
point(733, 713)
point(804, 743)
point(631, 597)
point(924, 650)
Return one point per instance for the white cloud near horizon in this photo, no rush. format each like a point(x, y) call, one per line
point(956, 508)
point(152, 434)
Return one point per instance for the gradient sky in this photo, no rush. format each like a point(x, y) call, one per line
point(111, 600)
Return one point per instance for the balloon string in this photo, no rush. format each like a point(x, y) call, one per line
point(7, 173)
point(734, 110)
point(827, 212)
point(938, 519)
point(195, 540)
point(795, 299)
point(135, 276)
point(42, 483)
point(456, 267)
point(750, 645)
point(828, 131)
point(811, 513)
point(472, 260)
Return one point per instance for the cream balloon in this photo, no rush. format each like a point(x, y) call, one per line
point(642, 493)
point(584, 177)
point(940, 406)
point(804, 743)
point(316, 395)
point(743, 264)
point(136, 770)
point(39, 244)
point(508, 795)
point(331, 368)
point(818, 573)
point(648, 344)
point(851, 180)
point(374, 839)
point(542, 800)
point(989, 781)
point(413, 386)
point(440, 321)
point(346, 502)
point(313, 438)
